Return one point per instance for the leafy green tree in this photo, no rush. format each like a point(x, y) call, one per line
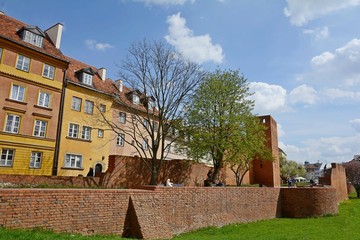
point(217, 117)
point(250, 144)
point(290, 169)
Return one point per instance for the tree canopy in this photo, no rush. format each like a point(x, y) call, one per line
point(219, 118)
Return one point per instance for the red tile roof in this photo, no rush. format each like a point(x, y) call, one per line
point(9, 28)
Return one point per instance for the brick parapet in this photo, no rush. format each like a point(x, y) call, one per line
point(157, 213)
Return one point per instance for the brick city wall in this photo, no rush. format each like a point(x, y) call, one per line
point(156, 212)
point(336, 178)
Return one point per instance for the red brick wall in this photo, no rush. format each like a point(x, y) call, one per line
point(158, 212)
point(306, 202)
point(336, 177)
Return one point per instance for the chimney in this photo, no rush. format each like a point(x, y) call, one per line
point(102, 73)
point(55, 33)
point(119, 85)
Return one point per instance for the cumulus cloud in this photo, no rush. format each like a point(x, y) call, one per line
point(92, 44)
point(301, 12)
point(303, 94)
point(199, 49)
point(318, 33)
point(355, 123)
point(268, 98)
point(336, 69)
point(336, 94)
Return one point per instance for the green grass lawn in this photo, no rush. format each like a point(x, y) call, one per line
point(346, 225)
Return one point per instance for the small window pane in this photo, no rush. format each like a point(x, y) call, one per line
point(76, 104)
point(35, 160)
point(44, 99)
point(7, 157)
point(89, 107)
point(48, 71)
point(17, 93)
point(23, 63)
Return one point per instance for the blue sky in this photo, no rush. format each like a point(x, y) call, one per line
point(301, 57)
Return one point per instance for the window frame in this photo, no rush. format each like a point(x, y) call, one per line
point(120, 140)
point(42, 101)
point(40, 129)
point(19, 95)
point(50, 71)
point(122, 117)
point(35, 160)
point(87, 78)
point(6, 159)
point(13, 123)
point(89, 107)
point(78, 158)
point(86, 133)
point(102, 133)
point(72, 131)
point(33, 38)
point(23, 63)
point(75, 105)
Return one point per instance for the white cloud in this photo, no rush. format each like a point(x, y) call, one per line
point(322, 58)
point(303, 94)
point(92, 44)
point(301, 12)
point(268, 98)
point(336, 94)
point(318, 33)
point(199, 49)
point(164, 2)
point(355, 123)
point(336, 69)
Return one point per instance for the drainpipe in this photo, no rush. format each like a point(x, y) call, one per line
point(59, 127)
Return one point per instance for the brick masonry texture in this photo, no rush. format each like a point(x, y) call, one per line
point(156, 212)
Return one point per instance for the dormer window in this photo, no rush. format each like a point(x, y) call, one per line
point(87, 78)
point(32, 35)
point(151, 104)
point(135, 99)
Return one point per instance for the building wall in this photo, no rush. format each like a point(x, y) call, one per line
point(158, 212)
point(263, 171)
point(93, 151)
point(24, 143)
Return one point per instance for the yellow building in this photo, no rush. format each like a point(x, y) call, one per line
point(85, 140)
point(31, 82)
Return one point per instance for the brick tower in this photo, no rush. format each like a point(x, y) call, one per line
point(263, 171)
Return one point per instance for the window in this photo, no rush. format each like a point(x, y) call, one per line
point(89, 107)
point(86, 133)
point(135, 99)
point(122, 117)
point(7, 157)
point(145, 144)
point(33, 38)
point(102, 108)
point(23, 63)
point(120, 140)
point(12, 123)
point(73, 130)
point(17, 93)
point(146, 123)
point(48, 71)
point(100, 133)
point(87, 78)
point(151, 104)
point(73, 161)
point(44, 99)
point(0, 54)
point(76, 104)
point(35, 160)
point(40, 128)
